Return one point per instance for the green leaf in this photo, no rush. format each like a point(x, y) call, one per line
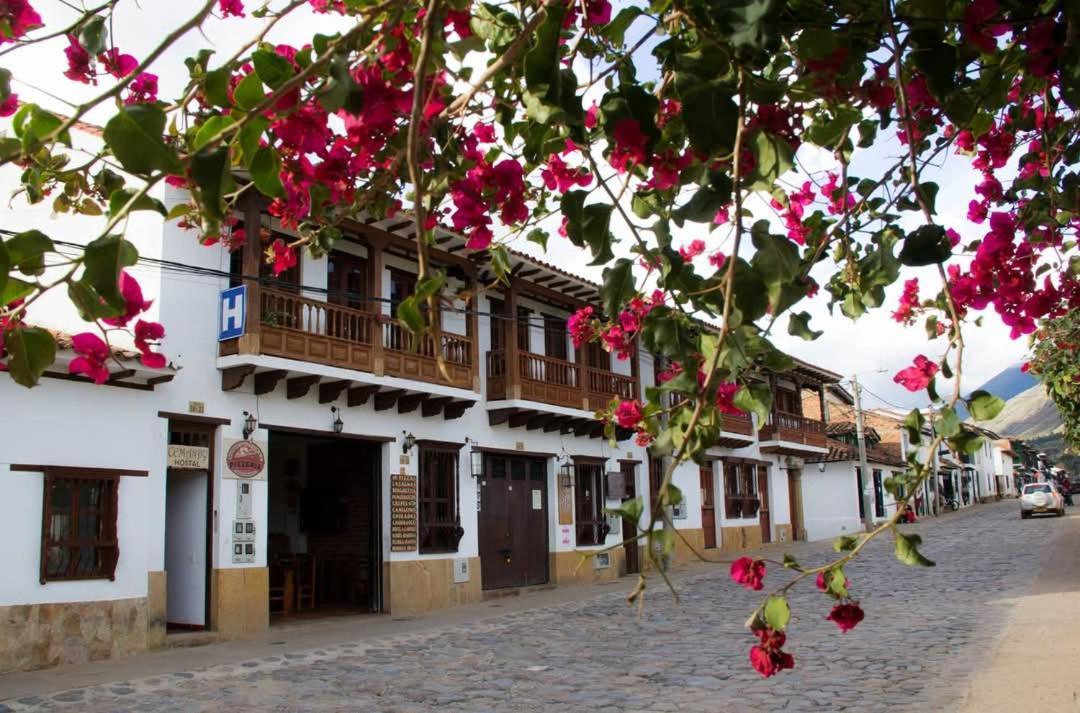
point(103, 259)
point(93, 35)
point(210, 130)
point(907, 550)
point(249, 92)
point(120, 198)
point(845, 543)
point(776, 612)
point(773, 158)
point(618, 286)
point(914, 424)
point(711, 117)
point(615, 30)
point(5, 267)
point(247, 139)
point(210, 174)
point(273, 69)
point(26, 253)
point(947, 423)
point(31, 351)
point(928, 245)
point(430, 286)
point(410, 315)
point(135, 135)
point(538, 236)
point(14, 289)
point(266, 172)
point(754, 398)
point(542, 59)
point(628, 510)
point(216, 87)
point(836, 582)
point(791, 563)
point(799, 326)
point(965, 441)
point(984, 406)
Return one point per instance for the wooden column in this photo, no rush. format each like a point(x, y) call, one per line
point(513, 368)
point(252, 258)
point(472, 328)
point(824, 403)
point(583, 377)
point(376, 244)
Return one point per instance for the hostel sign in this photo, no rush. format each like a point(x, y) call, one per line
point(245, 460)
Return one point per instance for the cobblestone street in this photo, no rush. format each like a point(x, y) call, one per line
point(926, 631)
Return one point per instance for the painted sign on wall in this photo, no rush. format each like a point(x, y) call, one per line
point(245, 460)
point(189, 457)
point(402, 512)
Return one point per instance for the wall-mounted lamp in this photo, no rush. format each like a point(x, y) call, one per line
point(476, 458)
point(250, 423)
point(566, 473)
point(408, 440)
point(337, 424)
point(821, 467)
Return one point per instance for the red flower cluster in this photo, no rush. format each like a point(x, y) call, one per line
point(134, 304)
point(581, 327)
point(82, 67)
point(918, 376)
point(7, 322)
point(909, 302)
point(558, 176)
point(748, 572)
point(92, 359)
point(231, 8)
point(846, 616)
point(629, 145)
point(486, 189)
point(691, 251)
point(17, 18)
point(147, 336)
point(795, 209)
point(725, 398)
point(628, 414)
point(977, 29)
point(839, 199)
point(767, 656)
point(282, 255)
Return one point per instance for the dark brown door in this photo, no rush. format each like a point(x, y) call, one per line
point(346, 281)
point(763, 513)
point(513, 522)
point(629, 527)
point(708, 506)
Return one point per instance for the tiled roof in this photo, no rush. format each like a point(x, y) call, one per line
point(840, 452)
point(844, 428)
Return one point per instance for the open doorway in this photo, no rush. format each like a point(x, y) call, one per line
point(188, 508)
point(324, 550)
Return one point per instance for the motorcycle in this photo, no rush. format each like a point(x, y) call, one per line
point(952, 503)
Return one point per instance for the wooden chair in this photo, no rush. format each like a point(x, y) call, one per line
point(305, 581)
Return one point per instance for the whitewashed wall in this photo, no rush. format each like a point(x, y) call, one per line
point(830, 500)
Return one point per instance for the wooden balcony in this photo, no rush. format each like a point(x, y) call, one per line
point(556, 382)
point(792, 434)
point(301, 328)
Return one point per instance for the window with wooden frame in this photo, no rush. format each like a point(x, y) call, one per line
point(439, 498)
point(555, 334)
point(347, 281)
point(497, 324)
point(589, 494)
point(286, 281)
point(523, 336)
point(78, 528)
point(740, 490)
point(787, 401)
point(402, 284)
point(879, 494)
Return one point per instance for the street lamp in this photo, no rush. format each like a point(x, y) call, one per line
point(250, 424)
point(337, 424)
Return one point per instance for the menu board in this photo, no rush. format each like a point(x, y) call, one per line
point(402, 513)
point(566, 505)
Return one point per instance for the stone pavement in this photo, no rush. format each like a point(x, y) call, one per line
point(926, 632)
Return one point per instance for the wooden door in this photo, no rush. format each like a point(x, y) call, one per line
point(513, 522)
point(763, 512)
point(795, 502)
point(629, 527)
point(346, 281)
point(708, 506)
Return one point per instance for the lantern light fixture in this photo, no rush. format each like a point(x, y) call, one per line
point(337, 424)
point(250, 423)
point(476, 458)
point(408, 440)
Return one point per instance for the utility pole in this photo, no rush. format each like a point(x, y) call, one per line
point(867, 476)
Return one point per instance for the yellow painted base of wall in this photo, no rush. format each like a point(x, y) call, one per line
point(569, 568)
point(422, 586)
point(783, 533)
point(737, 539)
point(36, 636)
point(689, 538)
point(155, 609)
point(240, 601)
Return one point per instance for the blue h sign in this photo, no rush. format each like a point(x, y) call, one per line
point(232, 310)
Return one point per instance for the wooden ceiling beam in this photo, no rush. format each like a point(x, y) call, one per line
point(331, 391)
point(233, 377)
point(359, 395)
point(299, 386)
point(267, 381)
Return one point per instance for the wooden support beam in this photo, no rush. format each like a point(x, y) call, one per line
point(299, 386)
point(434, 406)
point(539, 420)
point(500, 415)
point(267, 381)
point(583, 427)
point(567, 426)
point(359, 395)
point(457, 409)
point(529, 273)
point(120, 375)
point(555, 424)
point(398, 226)
point(410, 402)
point(556, 285)
point(163, 379)
point(331, 390)
point(520, 419)
point(386, 399)
point(232, 377)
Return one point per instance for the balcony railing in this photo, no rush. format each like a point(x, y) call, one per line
point(296, 327)
point(742, 424)
point(793, 428)
point(556, 381)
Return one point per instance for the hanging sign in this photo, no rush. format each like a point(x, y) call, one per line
point(189, 457)
point(245, 460)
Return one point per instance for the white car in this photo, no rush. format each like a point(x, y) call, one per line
point(1041, 498)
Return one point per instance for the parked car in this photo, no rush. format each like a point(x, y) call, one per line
point(1039, 498)
point(1074, 486)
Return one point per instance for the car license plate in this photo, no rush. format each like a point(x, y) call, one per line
point(1040, 509)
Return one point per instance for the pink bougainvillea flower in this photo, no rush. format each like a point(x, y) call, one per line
point(93, 353)
point(909, 302)
point(231, 8)
point(725, 399)
point(10, 105)
point(134, 304)
point(558, 176)
point(17, 18)
point(147, 336)
point(143, 89)
point(590, 116)
point(628, 414)
point(629, 145)
point(581, 327)
point(767, 656)
point(748, 572)
point(691, 251)
point(846, 616)
point(918, 376)
point(284, 256)
point(117, 63)
point(80, 64)
point(597, 13)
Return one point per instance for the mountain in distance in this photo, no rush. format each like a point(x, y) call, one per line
point(1009, 382)
point(1029, 414)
